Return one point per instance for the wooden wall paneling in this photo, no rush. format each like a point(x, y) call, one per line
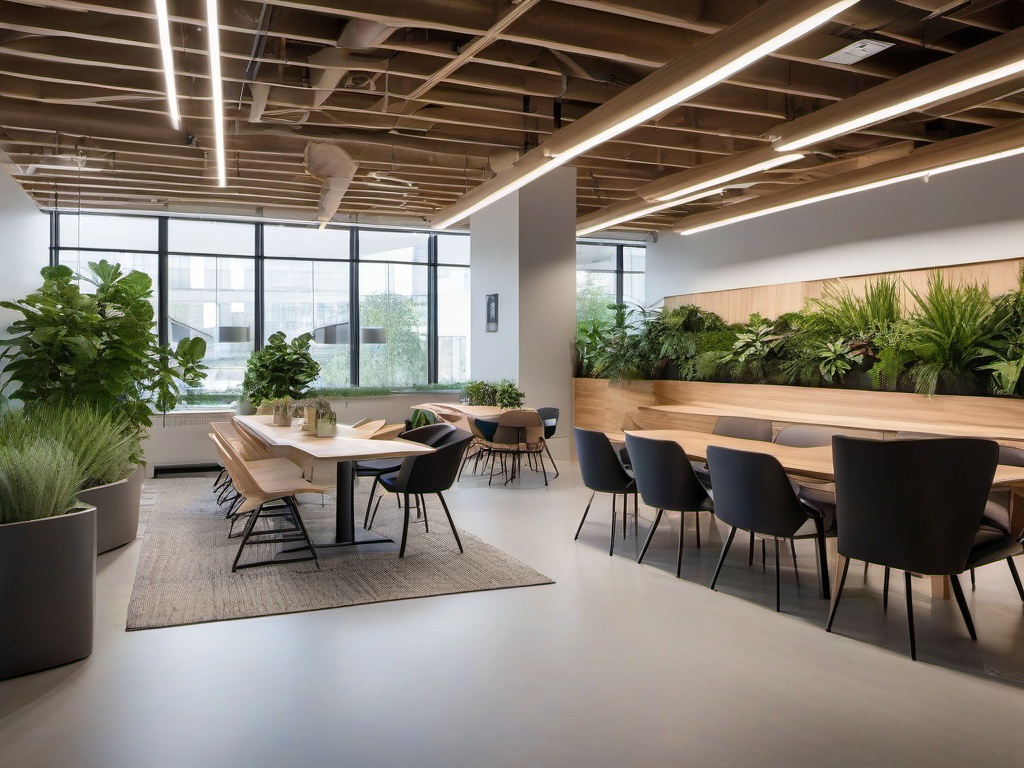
point(737, 304)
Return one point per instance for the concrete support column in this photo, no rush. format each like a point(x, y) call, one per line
point(523, 248)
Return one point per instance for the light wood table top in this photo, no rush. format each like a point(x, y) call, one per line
point(854, 420)
point(808, 462)
point(350, 444)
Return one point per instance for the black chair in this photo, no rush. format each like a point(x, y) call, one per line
point(997, 511)
point(549, 415)
point(428, 434)
point(428, 473)
point(753, 492)
point(666, 482)
point(734, 426)
point(916, 505)
point(603, 473)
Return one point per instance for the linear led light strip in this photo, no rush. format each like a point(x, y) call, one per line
point(774, 162)
point(636, 214)
point(861, 188)
point(167, 53)
point(907, 105)
point(555, 157)
point(217, 86)
point(688, 92)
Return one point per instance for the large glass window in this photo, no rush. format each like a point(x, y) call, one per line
point(306, 242)
point(606, 274)
point(213, 269)
point(375, 245)
point(312, 297)
point(393, 325)
point(214, 298)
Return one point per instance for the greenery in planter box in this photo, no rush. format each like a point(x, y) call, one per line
point(38, 479)
point(280, 369)
point(102, 443)
point(98, 348)
point(501, 394)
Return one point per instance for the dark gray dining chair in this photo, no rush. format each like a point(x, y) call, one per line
point(603, 473)
point(667, 483)
point(916, 506)
point(429, 434)
point(428, 473)
point(753, 493)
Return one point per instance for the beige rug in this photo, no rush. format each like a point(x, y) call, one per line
point(184, 574)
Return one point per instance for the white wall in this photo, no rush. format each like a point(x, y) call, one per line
point(24, 245)
point(494, 268)
point(974, 214)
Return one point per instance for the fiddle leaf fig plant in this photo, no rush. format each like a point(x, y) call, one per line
point(99, 348)
point(280, 369)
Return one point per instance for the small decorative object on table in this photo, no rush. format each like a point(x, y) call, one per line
point(282, 412)
point(326, 419)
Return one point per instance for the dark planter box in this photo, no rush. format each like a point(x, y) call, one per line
point(117, 510)
point(47, 592)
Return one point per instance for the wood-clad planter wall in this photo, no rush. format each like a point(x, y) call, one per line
point(611, 406)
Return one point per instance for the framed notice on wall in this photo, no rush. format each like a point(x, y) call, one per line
point(492, 312)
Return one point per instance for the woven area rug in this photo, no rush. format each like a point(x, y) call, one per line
point(184, 574)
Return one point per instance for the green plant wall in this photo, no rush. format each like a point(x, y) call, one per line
point(947, 339)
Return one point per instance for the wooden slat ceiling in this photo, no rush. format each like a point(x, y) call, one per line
point(432, 97)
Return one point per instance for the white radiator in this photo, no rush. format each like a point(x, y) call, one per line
point(180, 438)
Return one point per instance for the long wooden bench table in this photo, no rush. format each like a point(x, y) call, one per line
point(1008, 431)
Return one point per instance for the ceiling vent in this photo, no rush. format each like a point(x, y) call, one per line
point(359, 81)
point(855, 52)
point(336, 169)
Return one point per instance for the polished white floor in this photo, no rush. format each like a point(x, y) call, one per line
point(614, 665)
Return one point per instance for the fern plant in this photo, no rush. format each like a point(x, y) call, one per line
point(38, 479)
point(952, 332)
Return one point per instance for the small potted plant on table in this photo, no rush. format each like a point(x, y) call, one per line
point(326, 419)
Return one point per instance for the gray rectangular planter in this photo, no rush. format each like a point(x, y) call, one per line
point(117, 510)
point(47, 592)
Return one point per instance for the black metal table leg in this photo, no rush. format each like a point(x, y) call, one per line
point(345, 527)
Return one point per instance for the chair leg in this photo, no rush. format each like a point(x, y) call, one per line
point(625, 514)
point(611, 547)
point(375, 508)
point(249, 525)
point(885, 590)
point(553, 465)
point(750, 558)
point(778, 579)
point(451, 522)
point(825, 581)
point(679, 549)
point(585, 512)
point(764, 556)
point(405, 527)
point(696, 525)
point(423, 510)
point(1016, 578)
point(961, 601)
point(839, 594)
point(636, 514)
point(974, 584)
point(910, 614)
point(369, 501)
point(294, 507)
point(650, 535)
point(721, 558)
point(796, 568)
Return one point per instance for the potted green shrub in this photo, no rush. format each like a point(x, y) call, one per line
point(281, 369)
point(100, 348)
point(103, 446)
point(47, 559)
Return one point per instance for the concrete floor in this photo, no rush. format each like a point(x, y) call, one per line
point(614, 665)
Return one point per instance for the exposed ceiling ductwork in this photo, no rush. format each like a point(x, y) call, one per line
point(333, 166)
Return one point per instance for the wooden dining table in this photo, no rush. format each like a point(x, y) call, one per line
point(348, 446)
point(814, 463)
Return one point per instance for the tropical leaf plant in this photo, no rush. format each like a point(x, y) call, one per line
point(841, 313)
point(99, 348)
point(836, 359)
point(282, 369)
